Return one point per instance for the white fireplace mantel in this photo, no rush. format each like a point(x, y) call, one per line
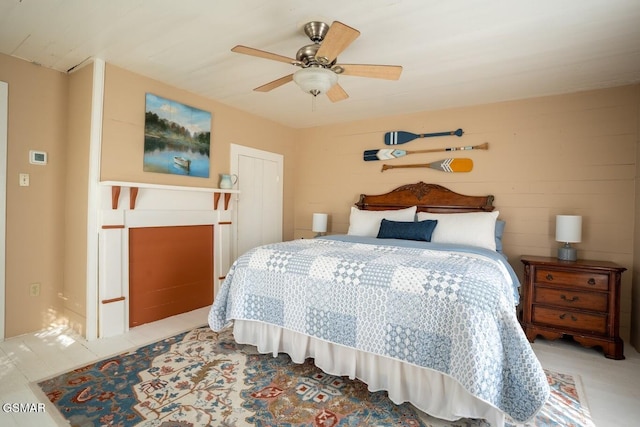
point(152, 205)
point(134, 188)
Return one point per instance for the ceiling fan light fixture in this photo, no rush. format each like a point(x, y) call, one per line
point(315, 80)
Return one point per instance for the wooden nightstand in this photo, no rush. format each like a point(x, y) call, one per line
point(578, 298)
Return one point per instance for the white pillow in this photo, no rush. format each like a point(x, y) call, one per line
point(471, 228)
point(367, 223)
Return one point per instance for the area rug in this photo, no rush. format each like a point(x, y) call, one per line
point(203, 378)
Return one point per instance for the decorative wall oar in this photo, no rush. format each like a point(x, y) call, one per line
point(402, 137)
point(446, 165)
point(390, 153)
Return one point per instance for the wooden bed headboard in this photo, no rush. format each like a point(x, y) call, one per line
point(428, 198)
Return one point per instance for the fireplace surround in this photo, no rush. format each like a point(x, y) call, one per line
point(128, 206)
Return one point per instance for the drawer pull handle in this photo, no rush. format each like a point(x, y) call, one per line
point(564, 298)
point(549, 276)
point(591, 281)
point(564, 315)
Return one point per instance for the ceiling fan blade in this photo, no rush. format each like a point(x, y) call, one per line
point(337, 93)
point(274, 84)
point(263, 54)
point(338, 38)
point(388, 72)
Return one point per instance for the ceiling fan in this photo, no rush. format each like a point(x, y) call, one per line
point(319, 69)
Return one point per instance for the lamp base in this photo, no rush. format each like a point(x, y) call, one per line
point(567, 253)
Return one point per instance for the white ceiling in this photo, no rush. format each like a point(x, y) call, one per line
point(454, 52)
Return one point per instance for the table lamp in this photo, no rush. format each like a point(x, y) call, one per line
point(319, 223)
point(568, 230)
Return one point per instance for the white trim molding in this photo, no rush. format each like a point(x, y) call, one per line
point(4, 117)
point(95, 147)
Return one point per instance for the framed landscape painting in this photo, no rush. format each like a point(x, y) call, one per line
point(177, 138)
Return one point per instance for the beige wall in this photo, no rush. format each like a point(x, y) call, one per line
point(123, 136)
point(38, 100)
point(76, 197)
point(571, 154)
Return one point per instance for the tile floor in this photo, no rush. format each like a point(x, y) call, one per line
point(612, 387)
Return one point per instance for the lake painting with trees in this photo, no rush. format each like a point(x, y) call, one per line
point(177, 138)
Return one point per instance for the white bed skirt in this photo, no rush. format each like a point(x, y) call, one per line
point(430, 391)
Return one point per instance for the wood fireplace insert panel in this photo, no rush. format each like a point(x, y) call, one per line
point(170, 271)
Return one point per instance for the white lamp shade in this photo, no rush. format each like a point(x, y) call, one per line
point(319, 222)
point(568, 228)
point(315, 80)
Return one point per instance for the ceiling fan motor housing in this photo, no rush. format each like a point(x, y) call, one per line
point(307, 57)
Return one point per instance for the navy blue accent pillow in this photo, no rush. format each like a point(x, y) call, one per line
point(418, 230)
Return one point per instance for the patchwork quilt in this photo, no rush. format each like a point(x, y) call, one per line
point(438, 308)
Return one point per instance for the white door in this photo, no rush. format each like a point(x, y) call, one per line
point(258, 215)
point(4, 113)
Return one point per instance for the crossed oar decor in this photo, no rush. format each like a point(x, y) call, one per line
point(402, 137)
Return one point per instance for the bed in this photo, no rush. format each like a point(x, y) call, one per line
point(416, 299)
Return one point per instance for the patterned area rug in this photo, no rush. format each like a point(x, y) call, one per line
point(201, 378)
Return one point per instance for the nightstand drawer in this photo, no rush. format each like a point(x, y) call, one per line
point(570, 320)
point(582, 279)
point(595, 301)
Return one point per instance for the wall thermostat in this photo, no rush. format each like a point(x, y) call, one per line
point(37, 157)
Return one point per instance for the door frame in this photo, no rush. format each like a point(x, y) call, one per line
point(240, 150)
point(4, 118)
